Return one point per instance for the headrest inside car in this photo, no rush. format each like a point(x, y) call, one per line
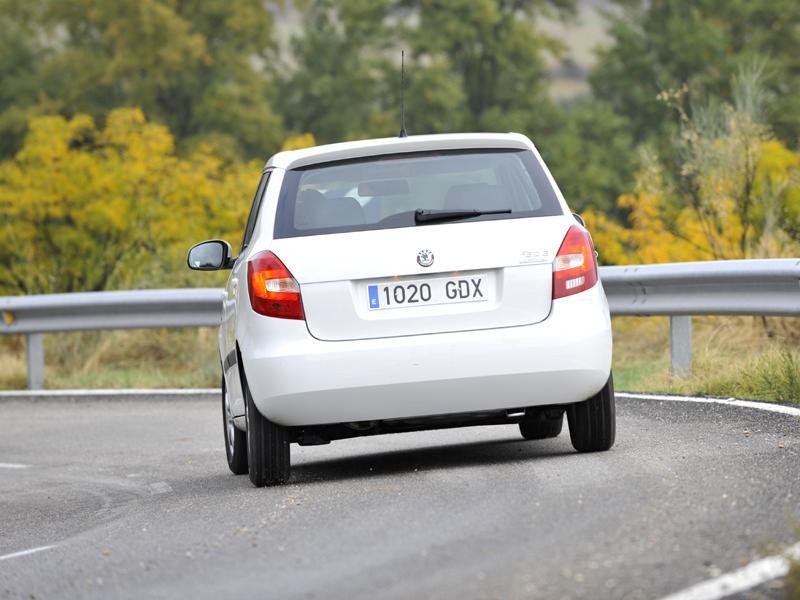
point(480, 196)
point(315, 211)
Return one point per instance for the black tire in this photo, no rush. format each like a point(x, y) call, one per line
point(592, 423)
point(268, 455)
point(235, 438)
point(540, 426)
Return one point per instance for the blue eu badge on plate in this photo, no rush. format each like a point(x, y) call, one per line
point(373, 297)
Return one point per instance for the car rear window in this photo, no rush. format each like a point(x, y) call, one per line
point(384, 192)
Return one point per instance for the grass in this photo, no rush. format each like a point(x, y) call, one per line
point(792, 582)
point(742, 357)
point(118, 359)
point(739, 357)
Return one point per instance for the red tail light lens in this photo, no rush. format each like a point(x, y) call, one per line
point(575, 266)
point(273, 290)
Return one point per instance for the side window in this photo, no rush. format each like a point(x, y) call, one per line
point(251, 219)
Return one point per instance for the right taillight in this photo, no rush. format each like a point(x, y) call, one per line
point(575, 266)
point(273, 290)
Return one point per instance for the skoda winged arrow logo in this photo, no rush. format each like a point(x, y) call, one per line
point(425, 258)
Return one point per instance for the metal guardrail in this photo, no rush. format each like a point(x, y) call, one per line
point(678, 290)
point(135, 309)
point(34, 316)
point(769, 287)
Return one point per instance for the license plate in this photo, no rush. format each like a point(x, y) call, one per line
point(424, 292)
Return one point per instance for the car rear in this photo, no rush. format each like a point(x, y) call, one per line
point(415, 281)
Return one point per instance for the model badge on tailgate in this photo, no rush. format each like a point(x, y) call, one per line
point(534, 256)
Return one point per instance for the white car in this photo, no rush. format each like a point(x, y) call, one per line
point(457, 290)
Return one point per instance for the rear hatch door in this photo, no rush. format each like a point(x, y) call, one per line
point(373, 284)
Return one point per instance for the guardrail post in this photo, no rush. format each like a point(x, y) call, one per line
point(680, 345)
point(34, 350)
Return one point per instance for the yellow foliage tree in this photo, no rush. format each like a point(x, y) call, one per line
point(730, 194)
point(84, 208)
point(299, 141)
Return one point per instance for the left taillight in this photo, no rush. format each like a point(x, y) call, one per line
point(575, 266)
point(274, 292)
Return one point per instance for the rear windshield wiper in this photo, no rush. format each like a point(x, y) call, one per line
point(426, 215)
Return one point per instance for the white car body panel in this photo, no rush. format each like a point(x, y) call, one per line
point(227, 340)
point(334, 270)
point(293, 159)
point(340, 310)
point(298, 380)
point(345, 363)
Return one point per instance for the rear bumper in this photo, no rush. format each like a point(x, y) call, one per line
point(296, 379)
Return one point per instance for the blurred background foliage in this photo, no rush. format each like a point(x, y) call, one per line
point(88, 208)
point(131, 129)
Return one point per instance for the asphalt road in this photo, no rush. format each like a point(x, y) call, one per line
point(137, 501)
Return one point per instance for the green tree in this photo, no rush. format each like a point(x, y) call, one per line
point(19, 88)
point(497, 53)
point(335, 85)
point(592, 156)
point(662, 44)
point(197, 66)
point(730, 189)
point(470, 65)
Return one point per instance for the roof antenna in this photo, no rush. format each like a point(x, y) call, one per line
point(402, 133)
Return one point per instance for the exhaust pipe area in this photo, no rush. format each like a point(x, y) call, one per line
point(361, 425)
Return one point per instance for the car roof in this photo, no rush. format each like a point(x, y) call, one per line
point(291, 159)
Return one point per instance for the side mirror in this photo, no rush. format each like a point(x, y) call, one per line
point(211, 255)
point(579, 219)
